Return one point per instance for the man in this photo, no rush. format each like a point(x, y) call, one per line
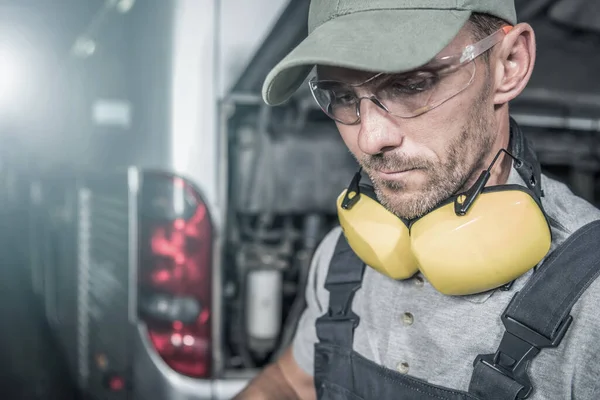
point(419, 90)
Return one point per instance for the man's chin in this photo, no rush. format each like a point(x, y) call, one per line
point(403, 204)
point(406, 204)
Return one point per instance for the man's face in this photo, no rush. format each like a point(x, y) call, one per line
point(416, 163)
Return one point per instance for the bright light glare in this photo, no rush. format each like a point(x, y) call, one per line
point(10, 75)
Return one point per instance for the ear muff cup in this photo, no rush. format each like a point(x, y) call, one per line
point(379, 238)
point(504, 234)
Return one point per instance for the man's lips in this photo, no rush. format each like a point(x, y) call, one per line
point(398, 175)
point(392, 172)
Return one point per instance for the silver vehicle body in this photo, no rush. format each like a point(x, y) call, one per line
point(179, 128)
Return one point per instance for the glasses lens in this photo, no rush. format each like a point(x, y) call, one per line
point(336, 99)
point(403, 95)
point(413, 95)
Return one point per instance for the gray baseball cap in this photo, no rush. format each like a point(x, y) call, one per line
point(375, 35)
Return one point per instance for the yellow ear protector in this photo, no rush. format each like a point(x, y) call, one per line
point(473, 242)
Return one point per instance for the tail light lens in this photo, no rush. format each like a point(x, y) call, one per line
point(174, 275)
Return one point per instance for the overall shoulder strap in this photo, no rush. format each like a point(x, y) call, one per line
point(538, 316)
point(343, 280)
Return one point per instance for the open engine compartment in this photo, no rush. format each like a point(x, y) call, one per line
point(287, 167)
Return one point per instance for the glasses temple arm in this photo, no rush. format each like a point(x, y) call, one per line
point(475, 50)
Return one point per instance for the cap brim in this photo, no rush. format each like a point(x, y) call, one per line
point(379, 41)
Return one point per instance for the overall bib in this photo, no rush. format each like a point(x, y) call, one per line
point(536, 318)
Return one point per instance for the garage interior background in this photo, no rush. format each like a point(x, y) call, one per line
point(65, 63)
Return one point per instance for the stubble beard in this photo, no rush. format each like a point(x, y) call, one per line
point(464, 156)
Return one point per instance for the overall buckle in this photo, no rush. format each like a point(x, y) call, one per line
point(340, 302)
point(519, 345)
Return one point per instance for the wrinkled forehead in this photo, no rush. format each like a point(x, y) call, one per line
point(325, 72)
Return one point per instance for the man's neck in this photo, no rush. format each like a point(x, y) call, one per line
point(501, 170)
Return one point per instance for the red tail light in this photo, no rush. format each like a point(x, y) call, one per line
point(175, 273)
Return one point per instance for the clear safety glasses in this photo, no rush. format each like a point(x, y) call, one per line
point(404, 95)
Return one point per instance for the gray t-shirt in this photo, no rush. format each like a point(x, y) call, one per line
point(410, 327)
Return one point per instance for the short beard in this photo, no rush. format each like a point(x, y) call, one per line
point(464, 156)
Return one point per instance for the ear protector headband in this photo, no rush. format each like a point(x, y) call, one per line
point(473, 242)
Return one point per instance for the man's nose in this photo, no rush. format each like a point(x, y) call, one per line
point(378, 132)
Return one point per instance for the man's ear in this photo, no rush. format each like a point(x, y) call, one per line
point(514, 62)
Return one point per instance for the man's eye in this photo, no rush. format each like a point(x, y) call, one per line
point(344, 98)
point(413, 86)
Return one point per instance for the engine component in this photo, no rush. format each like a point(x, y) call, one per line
point(290, 173)
point(263, 320)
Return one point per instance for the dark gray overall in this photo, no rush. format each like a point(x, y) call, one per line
point(536, 318)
